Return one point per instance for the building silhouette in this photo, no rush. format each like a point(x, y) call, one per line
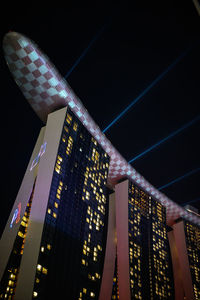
point(85, 224)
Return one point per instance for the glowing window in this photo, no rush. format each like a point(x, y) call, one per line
point(92, 294)
point(11, 283)
point(97, 275)
point(75, 126)
point(23, 224)
point(12, 276)
point(39, 267)
point(66, 129)
point(48, 246)
point(35, 294)
point(44, 271)
point(21, 234)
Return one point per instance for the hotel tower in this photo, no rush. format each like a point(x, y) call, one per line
point(85, 224)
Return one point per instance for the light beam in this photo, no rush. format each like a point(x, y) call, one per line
point(191, 201)
point(179, 178)
point(97, 35)
point(166, 138)
point(154, 82)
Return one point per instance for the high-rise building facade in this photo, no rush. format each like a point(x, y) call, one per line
point(76, 217)
point(77, 230)
point(73, 228)
point(143, 256)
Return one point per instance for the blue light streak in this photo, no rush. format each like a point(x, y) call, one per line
point(154, 82)
point(192, 201)
point(166, 138)
point(178, 179)
point(87, 49)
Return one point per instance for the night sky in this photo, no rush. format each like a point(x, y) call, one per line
point(133, 46)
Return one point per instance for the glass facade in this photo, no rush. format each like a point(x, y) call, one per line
point(151, 274)
point(192, 235)
point(9, 279)
point(72, 248)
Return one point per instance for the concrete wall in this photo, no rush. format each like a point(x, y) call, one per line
point(110, 254)
point(178, 281)
point(121, 196)
point(180, 259)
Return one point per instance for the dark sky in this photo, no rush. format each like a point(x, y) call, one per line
point(138, 43)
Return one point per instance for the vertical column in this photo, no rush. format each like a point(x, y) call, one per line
point(121, 196)
point(109, 261)
point(25, 283)
point(180, 242)
point(178, 281)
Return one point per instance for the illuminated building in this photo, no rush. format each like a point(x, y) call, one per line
point(62, 229)
point(143, 257)
point(65, 219)
point(185, 249)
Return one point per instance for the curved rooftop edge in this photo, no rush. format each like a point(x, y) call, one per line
point(46, 91)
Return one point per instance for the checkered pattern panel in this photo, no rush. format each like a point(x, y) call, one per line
point(47, 91)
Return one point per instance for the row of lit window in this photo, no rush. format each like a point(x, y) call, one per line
point(85, 291)
point(98, 222)
point(95, 177)
point(196, 291)
point(59, 190)
point(48, 247)
point(58, 196)
point(144, 202)
point(69, 145)
point(135, 233)
point(95, 155)
point(158, 231)
point(52, 212)
point(158, 245)
point(42, 269)
point(68, 118)
point(158, 261)
point(94, 277)
point(58, 164)
point(86, 195)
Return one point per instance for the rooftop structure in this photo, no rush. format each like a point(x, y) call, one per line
point(47, 91)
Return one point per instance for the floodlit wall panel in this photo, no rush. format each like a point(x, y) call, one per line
point(39, 206)
point(109, 261)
